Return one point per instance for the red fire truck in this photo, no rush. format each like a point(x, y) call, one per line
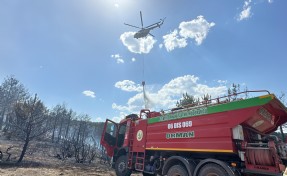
point(211, 138)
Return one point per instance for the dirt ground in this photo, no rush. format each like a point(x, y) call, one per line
point(40, 161)
point(61, 170)
point(54, 171)
point(54, 167)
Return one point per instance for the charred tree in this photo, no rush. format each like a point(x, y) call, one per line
point(30, 122)
point(11, 91)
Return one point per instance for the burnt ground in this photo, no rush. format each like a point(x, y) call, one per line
point(40, 160)
point(63, 169)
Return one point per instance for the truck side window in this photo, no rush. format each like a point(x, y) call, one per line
point(144, 115)
point(121, 135)
point(110, 134)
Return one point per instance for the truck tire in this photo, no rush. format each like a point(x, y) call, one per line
point(212, 170)
point(177, 170)
point(121, 166)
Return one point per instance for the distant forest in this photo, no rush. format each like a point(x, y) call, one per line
point(25, 117)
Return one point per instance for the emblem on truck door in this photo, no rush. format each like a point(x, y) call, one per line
point(139, 135)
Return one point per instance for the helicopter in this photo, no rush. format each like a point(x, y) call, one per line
point(144, 31)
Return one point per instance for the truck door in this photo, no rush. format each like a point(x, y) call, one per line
point(109, 137)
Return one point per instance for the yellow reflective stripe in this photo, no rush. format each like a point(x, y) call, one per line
point(266, 96)
point(193, 150)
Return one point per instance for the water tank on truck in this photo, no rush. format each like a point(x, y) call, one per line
point(216, 137)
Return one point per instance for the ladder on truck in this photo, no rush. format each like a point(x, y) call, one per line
point(139, 160)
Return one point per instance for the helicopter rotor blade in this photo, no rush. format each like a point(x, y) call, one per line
point(132, 26)
point(141, 18)
point(151, 34)
point(162, 20)
point(158, 24)
point(155, 24)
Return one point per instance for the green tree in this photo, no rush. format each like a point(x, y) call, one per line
point(187, 100)
point(206, 99)
point(232, 92)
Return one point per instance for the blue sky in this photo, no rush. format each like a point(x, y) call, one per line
point(81, 53)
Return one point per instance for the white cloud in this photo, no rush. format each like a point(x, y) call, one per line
point(167, 96)
point(141, 45)
point(120, 61)
point(133, 59)
point(172, 41)
point(89, 93)
point(119, 118)
point(246, 11)
point(129, 86)
point(196, 29)
point(130, 108)
point(118, 58)
point(116, 5)
point(134, 104)
point(99, 119)
point(120, 107)
point(222, 81)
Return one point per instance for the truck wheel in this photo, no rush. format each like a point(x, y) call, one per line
point(212, 170)
point(177, 170)
point(121, 166)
